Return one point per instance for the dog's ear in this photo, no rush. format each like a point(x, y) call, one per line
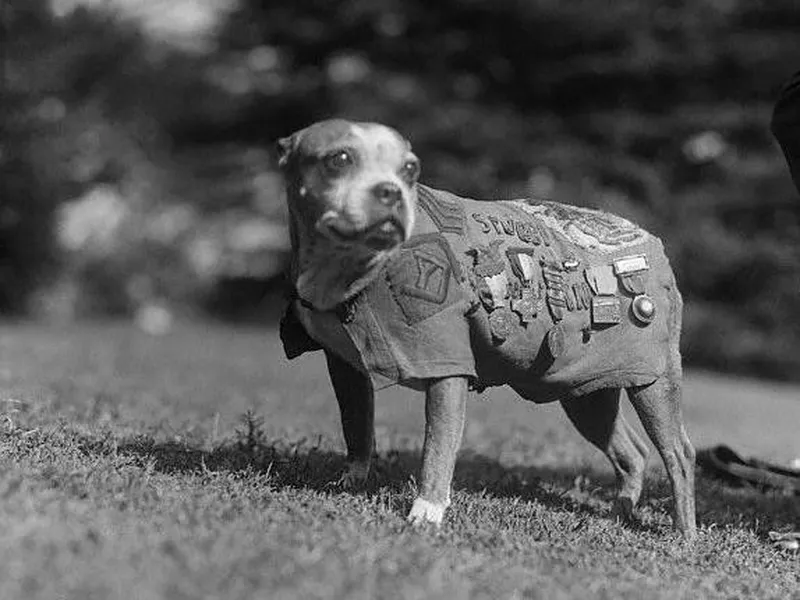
point(285, 147)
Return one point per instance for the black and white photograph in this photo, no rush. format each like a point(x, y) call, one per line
point(399, 299)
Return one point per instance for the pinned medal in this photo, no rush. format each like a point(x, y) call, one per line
point(601, 279)
point(631, 264)
point(556, 297)
point(644, 309)
point(489, 266)
point(501, 322)
point(606, 310)
point(494, 291)
point(523, 263)
point(633, 284)
point(556, 341)
point(526, 305)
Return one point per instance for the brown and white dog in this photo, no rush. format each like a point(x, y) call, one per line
point(355, 217)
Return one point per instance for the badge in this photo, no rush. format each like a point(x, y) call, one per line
point(556, 341)
point(601, 279)
point(523, 263)
point(644, 309)
point(606, 310)
point(583, 295)
point(487, 260)
point(526, 306)
point(490, 268)
point(631, 264)
point(495, 291)
point(502, 323)
point(569, 296)
point(554, 283)
point(633, 284)
point(571, 264)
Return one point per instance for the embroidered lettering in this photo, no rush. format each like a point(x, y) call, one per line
point(485, 227)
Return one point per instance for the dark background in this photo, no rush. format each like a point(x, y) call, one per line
point(138, 177)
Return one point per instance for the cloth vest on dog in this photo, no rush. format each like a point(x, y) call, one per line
point(554, 300)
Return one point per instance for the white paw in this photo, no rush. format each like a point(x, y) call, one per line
point(423, 512)
point(354, 476)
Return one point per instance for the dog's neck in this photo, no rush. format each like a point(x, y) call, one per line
point(326, 274)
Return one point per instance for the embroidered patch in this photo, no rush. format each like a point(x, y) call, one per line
point(583, 226)
point(421, 277)
point(447, 215)
point(527, 230)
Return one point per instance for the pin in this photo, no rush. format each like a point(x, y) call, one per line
point(606, 310)
point(495, 290)
point(571, 264)
point(523, 263)
point(569, 296)
point(631, 264)
point(501, 322)
point(556, 341)
point(633, 284)
point(601, 279)
point(556, 297)
point(644, 309)
point(525, 306)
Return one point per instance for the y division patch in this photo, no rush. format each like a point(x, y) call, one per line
point(421, 277)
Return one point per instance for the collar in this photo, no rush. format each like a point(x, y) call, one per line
point(345, 311)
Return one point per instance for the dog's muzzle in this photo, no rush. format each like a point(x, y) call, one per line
point(383, 234)
point(385, 213)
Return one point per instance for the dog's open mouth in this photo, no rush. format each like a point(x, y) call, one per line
point(382, 235)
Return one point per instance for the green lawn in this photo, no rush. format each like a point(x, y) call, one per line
point(129, 470)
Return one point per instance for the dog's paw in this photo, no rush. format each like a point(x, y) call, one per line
point(353, 477)
point(424, 512)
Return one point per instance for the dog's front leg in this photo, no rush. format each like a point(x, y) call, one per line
point(445, 404)
point(356, 399)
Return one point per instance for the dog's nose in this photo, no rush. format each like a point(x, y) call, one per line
point(387, 193)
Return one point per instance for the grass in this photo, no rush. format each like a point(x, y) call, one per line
point(198, 465)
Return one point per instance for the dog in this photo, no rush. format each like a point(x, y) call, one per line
point(400, 283)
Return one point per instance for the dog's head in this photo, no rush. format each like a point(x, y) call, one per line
point(352, 183)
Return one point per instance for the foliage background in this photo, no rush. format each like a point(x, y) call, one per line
point(138, 177)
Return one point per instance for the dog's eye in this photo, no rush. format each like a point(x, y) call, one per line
point(339, 160)
point(411, 169)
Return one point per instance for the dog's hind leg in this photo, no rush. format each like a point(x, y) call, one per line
point(658, 407)
point(598, 418)
point(356, 399)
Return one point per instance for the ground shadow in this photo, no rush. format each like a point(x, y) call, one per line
point(303, 465)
